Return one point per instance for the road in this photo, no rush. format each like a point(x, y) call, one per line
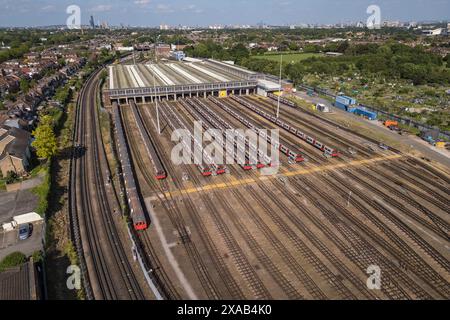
point(425, 149)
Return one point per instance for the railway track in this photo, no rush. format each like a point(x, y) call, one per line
point(431, 170)
point(393, 292)
point(318, 128)
point(311, 287)
point(247, 271)
point(437, 224)
point(344, 292)
point(176, 216)
point(343, 270)
point(423, 177)
point(241, 261)
point(412, 261)
point(413, 277)
point(159, 273)
point(443, 262)
point(100, 249)
point(358, 250)
point(398, 171)
point(257, 250)
point(415, 187)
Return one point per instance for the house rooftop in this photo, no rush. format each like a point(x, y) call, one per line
point(18, 147)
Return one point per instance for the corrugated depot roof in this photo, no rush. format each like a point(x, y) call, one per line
point(166, 74)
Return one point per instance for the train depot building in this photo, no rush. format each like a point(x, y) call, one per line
point(142, 83)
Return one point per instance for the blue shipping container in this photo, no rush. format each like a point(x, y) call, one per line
point(365, 113)
point(345, 100)
point(340, 106)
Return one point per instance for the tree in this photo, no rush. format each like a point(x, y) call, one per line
point(293, 46)
point(2, 106)
point(45, 139)
point(104, 75)
point(11, 177)
point(63, 94)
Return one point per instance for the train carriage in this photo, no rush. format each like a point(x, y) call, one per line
point(291, 129)
point(137, 214)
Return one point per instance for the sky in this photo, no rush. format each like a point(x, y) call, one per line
point(20, 13)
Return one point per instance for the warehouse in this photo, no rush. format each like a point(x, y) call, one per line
point(172, 80)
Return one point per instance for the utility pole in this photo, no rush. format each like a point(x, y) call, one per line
point(134, 55)
point(279, 94)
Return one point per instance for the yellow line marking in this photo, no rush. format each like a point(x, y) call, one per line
point(236, 183)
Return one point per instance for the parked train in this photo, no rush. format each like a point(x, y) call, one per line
point(297, 132)
point(282, 100)
point(262, 160)
point(236, 149)
point(205, 169)
point(160, 172)
point(136, 210)
point(284, 148)
point(217, 168)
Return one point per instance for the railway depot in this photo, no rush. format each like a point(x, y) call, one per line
point(226, 231)
point(338, 204)
point(142, 83)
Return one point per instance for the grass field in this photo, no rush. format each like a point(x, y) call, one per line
point(288, 57)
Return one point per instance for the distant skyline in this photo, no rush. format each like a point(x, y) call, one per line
point(29, 13)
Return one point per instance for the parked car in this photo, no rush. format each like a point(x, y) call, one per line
point(25, 231)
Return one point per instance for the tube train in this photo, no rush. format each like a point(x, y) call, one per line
point(283, 147)
point(136, 210)
point(297, 132)
point(261, 160)
point(205, 169)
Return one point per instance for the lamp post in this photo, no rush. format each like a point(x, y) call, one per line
point(154, 88)
point(279, 94)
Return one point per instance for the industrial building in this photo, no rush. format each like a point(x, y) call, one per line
point(173, 80)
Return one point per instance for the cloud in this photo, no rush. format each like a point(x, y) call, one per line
point(193, 8)
point(48, 8)
point(142, 3)
point(102, 8)
point(164, 8)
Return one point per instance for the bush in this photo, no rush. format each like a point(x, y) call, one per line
point(11, 177)
point(42, 191)
point(15, 259)
point(38, 256)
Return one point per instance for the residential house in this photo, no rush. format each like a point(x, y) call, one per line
point(14, 150)
point(8, 84)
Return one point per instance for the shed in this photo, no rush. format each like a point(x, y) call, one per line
point(31, 217)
